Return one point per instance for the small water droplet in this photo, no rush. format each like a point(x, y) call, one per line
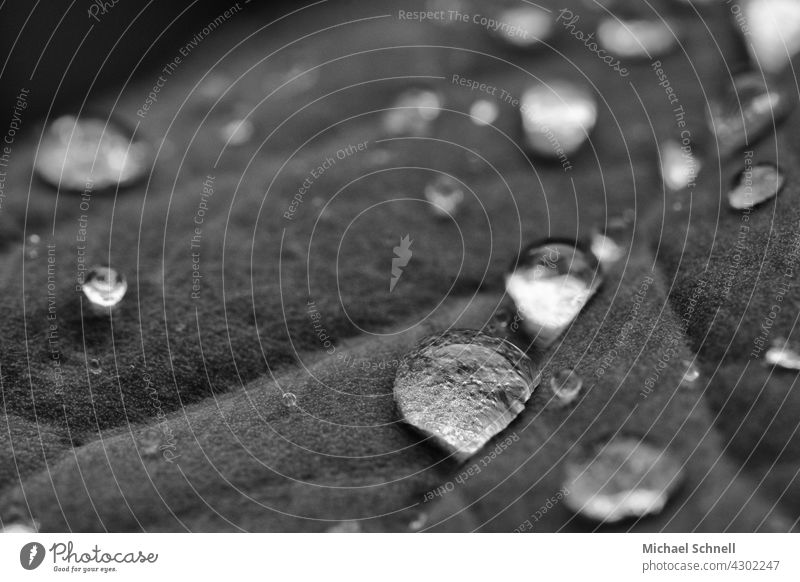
point(149, 442)
point(237, 132)
point(349, 526)
point(524, 26)
point(557, 118)
point(104, 287)
point(566, 385)
point(606, 249)
point(634, 38)
point(289, 400)
point(624, 478)
point(413, 112)
point(755, 184)
point(484, 112)
point(418, 522)
point(773, 32)
point(463, 387)
point(445, 194)
point(550, 284)
point(94, 366)
point(679, 166)
point(781, 355)
point(34, 239)
point(691, 374)
point(91, 153)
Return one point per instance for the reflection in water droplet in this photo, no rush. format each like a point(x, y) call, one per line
point(345, 527)
point(484, 112)
point(413, 112)
point(550, 284)
point(691, 374)
point(289, 400)
point(566, 385)
point(624, 478)
point(781, 355)
point(557, 118)
point(679, 166)
point(756, 184)
point(524, 26)
point(445, 194)
point(90, 153)
point(104, 287)
point(636, 38)
point(606, 249)
point(773, 32)
point(463, 387)
point(237, 132)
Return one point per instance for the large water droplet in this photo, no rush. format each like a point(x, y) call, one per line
point(484, 112)
point(91, 153)
point(550, 284)
point(445, 195)
point(748, 113)
point(463, 387)
point(557, 118)
point(104, 287)
point(622, 479)
point(636, 38)
point(755, 184)
point(679, 165)
point(566, 385)
point(523, 26)
point(781, 355)
point(413, 112)
point(773, 32)
point(237, 132)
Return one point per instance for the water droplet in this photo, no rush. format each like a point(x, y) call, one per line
point(289, 400)
point(413, 112)
point(524, 26)
point(18, 527)
point(566, 385)
point(463, 387)
point(484, 112)
point(418, 522)
point(550, 284)
point(445, 195)
point(748, 113)
point(755, 184)
point(773, 32)
point(349, 526)
point(32, 250)
point(94, 366)
point(104, 287)
point(557, 118)
point(91, 153)
point(34, 239)
point(781, 355)
point(691, 374)
point(622, 479)
point(679, 166)
point(237, 132)
point(636, 38)
point(213, 86)
point(606, 249)
point(149, 442)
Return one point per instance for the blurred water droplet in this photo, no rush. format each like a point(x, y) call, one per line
point(463, 387)
point(755, 184)
point(550, 284)
point(32, 248)
point(237, 132)
point(484, 112)
point(636, 38)
point(104, 287)
point(149, 442)
point(557, 118)
point(524, 26)
point(349, 526)
point(94, 366)
point(90, 153)
point(289, 400)
point(747, 113)
point(213, 86)
point(679, 166)
point(413, 112)
point(18, 527)
point(418, 522)
point(773, 32)
point(781, 355)
point(566, 385)
point(34, 239)
point(445, 195)
point(691, 374)
point(606, 249)
point(625, 478)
